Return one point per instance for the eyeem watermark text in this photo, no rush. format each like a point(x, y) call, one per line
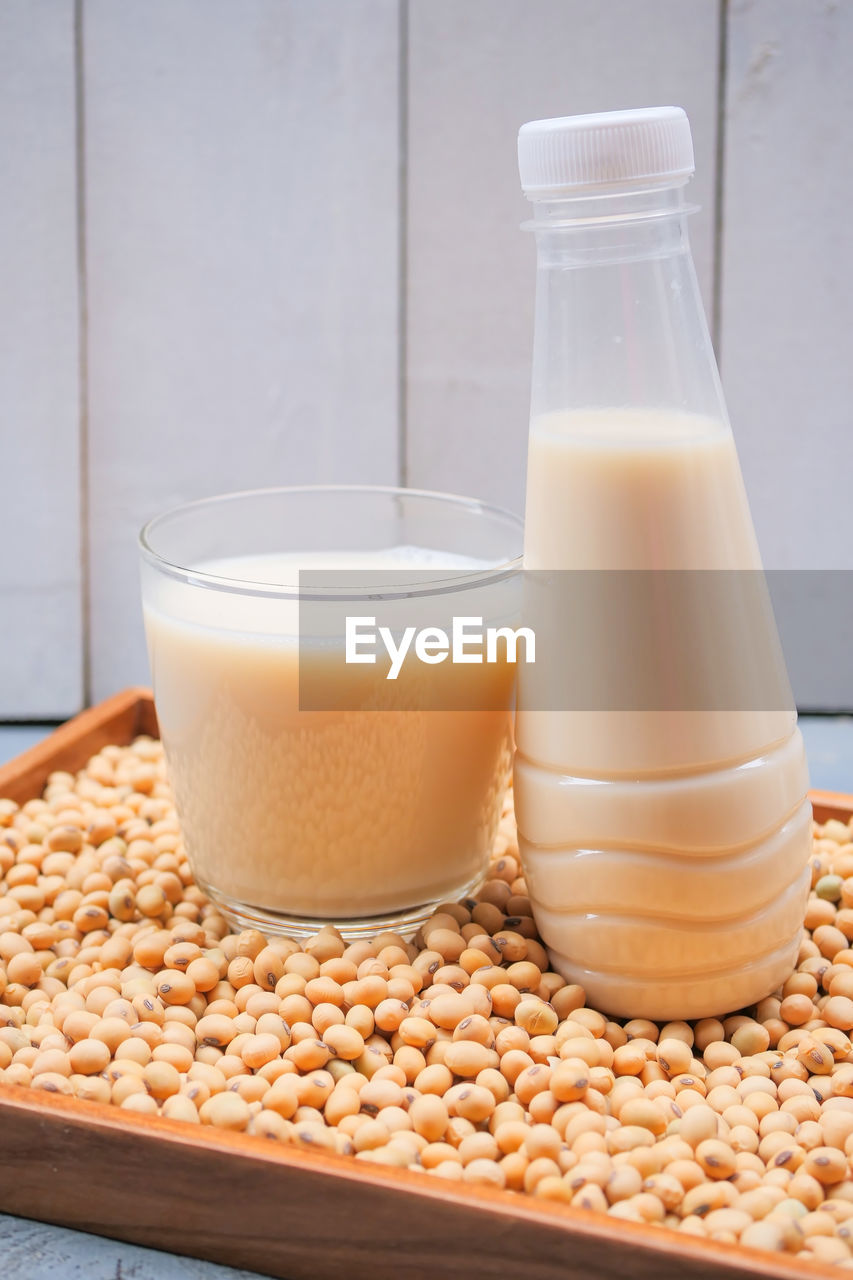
point(468, 641)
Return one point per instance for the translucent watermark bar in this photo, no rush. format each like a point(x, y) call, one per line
point(611, 640)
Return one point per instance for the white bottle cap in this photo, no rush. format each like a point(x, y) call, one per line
point(611, 149)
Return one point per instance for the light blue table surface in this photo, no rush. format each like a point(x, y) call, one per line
point(33, 1251)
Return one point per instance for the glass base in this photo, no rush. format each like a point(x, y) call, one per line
point(406, 922)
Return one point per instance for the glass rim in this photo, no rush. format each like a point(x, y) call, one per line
point(460, 580)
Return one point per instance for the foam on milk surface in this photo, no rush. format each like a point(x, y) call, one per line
point(273, 617)
point(282, 569)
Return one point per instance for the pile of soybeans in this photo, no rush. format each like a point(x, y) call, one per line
point(459, 1055)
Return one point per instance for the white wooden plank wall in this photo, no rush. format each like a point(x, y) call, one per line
point(302, 252)
point(788, 270)
point(40, 577)
point(787, 308)
point(478, 70)
point(241, 229)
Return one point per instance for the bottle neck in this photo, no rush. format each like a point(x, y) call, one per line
point(617, 225)
point(619, 319)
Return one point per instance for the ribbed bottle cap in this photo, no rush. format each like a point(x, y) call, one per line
point(610, 149)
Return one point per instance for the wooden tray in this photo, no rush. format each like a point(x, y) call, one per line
point(248, 1202)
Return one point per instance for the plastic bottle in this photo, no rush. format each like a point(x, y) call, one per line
point(665, 846)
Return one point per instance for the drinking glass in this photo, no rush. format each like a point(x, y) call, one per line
point(311, 791)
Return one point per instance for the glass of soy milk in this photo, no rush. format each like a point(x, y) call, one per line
point(327, 770)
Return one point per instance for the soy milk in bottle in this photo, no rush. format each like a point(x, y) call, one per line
point(664, 826)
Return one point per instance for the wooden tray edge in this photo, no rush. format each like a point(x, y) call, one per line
point(831, 804)
point(118, 719)
point(491, 1232)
